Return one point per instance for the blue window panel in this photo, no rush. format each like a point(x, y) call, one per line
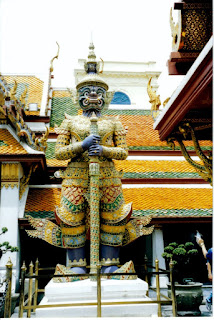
point(120, 98)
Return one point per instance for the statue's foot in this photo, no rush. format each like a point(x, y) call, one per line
point(78, 270)
point(108, 269)
point(63, 270)
point(128, 267)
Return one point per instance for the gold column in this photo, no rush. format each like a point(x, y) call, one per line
point(10, 175)
point(158, 286)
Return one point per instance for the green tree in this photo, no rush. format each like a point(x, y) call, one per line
point(5, 246)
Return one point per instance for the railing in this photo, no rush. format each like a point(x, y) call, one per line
point(30, 304)
point(6, 298)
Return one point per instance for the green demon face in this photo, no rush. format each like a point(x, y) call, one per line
point(92, 97)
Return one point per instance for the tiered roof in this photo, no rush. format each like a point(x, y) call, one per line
point(159, 202)
point(34, 89)
point(140, 136)
point(9, 145)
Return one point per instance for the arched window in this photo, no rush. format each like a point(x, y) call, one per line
point(120, 98)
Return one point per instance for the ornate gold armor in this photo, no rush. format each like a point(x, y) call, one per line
point(73, 213)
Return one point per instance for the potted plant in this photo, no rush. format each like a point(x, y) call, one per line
point(189, 294)
point(5, 247)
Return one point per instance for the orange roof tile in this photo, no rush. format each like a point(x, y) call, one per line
point(141, 132)
point(43, 199)
point(189, 201)
point(9, 145)
point(168, 198)
point(153, 166)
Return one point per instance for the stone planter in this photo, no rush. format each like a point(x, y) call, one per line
point(189, 298)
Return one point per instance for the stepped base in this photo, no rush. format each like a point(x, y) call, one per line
point(85, 291)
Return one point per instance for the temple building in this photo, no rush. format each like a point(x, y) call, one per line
point(167, 173)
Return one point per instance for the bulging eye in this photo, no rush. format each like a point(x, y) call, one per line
point(101, 91)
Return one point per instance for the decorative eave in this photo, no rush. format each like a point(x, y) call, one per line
point(188, 114)
point(13, 117)
point(40, 174)
point(12, 113)
point(189, 95)
point(36, 118)
point(24, 222)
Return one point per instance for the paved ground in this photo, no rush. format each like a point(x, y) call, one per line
point(166, 310)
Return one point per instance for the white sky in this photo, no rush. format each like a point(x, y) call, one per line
point(134, 30)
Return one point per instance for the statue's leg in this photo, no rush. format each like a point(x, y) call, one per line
point(77, 260)
point(71, 217)
point(114, 215)
point(109, 257)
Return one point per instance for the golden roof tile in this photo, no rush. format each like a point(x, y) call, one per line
point(61, 93)
point(43, 199)
point(9, 145)
point(32, 113)
point(57, 163)
point(34, 85)
point(191, 201)
point(169, 198)
point(153, 166)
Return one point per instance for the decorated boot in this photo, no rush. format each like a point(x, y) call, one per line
point(76, 265)
point(109, 258)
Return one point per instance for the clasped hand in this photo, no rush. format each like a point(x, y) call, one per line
point(92, 144)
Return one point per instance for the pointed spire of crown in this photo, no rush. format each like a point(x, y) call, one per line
point(92, 67)
point(91, 55)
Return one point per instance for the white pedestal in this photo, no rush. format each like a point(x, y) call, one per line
point(86, 291)
point(163, 280)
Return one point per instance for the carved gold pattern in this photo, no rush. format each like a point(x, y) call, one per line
point(166, 101)
point(75, 263)
point(205, 170)
point(9, 175)
point(128, 267)
point(44, 138)
point(194, 28)
point(63, 270)
point(13, 91)
point(25, 180)
point(154, 100)
point(76, 128)
point(14, 115)
point(23, 96)
point(109, 262)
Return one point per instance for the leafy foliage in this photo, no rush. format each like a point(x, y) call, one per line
point(183, 258)
point(5, 246)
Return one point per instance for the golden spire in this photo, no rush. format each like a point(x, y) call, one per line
point(13, 91)
point(23, 96)
point(56, 57)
